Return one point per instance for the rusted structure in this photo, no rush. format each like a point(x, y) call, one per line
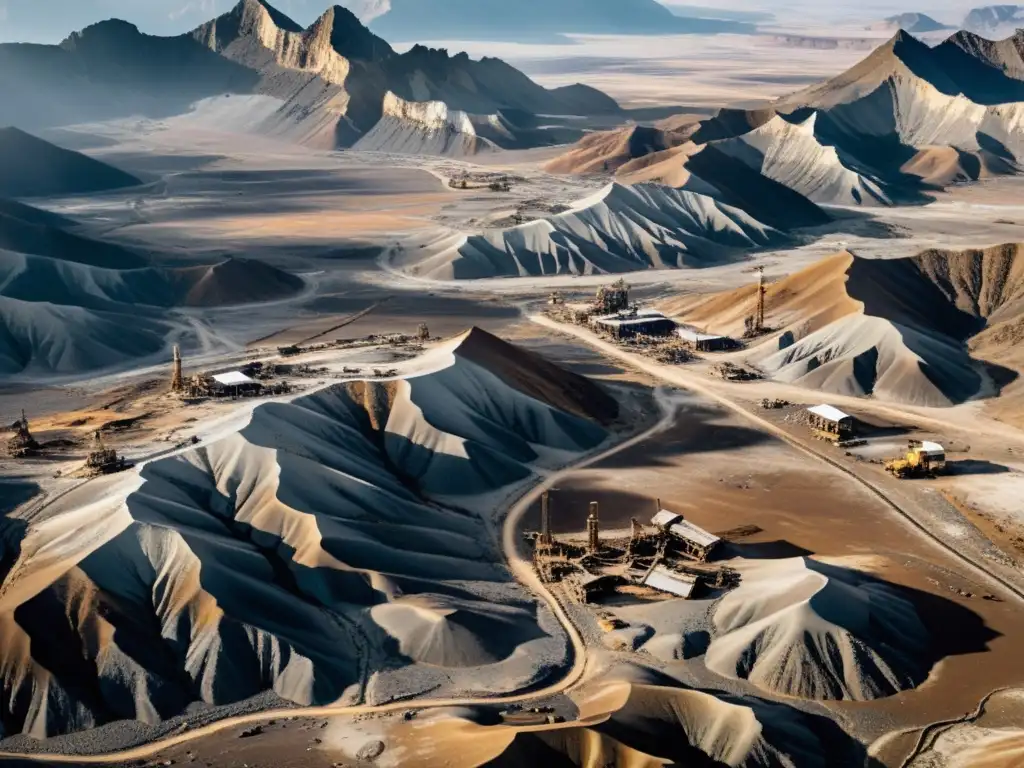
point(23, 444)
point(103, 460)
point(177, 381)
point(593, 530)
point(612, 299)
point(829, 423)
point(423, 332)
point(545, 520)
point(685, 537)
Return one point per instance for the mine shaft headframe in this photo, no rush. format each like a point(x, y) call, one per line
point(593, 529)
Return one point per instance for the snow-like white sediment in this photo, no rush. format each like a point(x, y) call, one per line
point(619, 229)
point(792, 154)
point(799, 628)
point(288, 555)
point(860, 355)
point(426, 128)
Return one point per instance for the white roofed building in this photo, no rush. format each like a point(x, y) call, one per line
point(664, 580)
point(235, 383)
point(829, 419)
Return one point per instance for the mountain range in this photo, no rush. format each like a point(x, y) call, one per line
point(328, 82)
point(907, 120)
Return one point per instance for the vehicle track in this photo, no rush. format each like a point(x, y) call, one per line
point(521, 569)
point(692, 382)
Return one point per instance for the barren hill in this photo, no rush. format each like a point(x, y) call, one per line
point(620, 229)
point(798, 628)
point(305, 555)
point(915, 23)
point(916, 330)
point(31, 167)
point(71, 304)
point(906, 120)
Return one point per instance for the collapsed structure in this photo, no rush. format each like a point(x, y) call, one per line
point(23, 445)
point(669, 557)
point(103, 460)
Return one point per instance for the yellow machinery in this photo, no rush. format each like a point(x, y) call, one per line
point(923, 459)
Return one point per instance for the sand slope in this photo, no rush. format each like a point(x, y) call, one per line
point(904, 121)
point(64, 298)
point(298, 555)
point(31, 167)
point(911, 330)
point(798, 628)
point(791, 154)
point(620, 229)
point(638, 719)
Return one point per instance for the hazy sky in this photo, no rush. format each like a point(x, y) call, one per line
point(50, 21)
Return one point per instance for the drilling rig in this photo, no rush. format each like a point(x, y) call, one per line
point(755, 323)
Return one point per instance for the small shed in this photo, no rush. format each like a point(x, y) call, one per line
point(704, 342)
point(647, 322)
point(693, 540)
point(664, 580)
point(236, 383)
point(832, 421)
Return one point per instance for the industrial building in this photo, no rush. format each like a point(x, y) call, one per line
point(831, 423)
point(704, 342)
point(645, 322)
point(672, 582)
point(235, 384)
point(693, 540)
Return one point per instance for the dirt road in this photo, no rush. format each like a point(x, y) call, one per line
point(694, 382)
point(523, 572)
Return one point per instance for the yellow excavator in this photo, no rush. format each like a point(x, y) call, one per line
point(923, 459)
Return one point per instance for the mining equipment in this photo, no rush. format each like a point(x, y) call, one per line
point(669, 557)
point(103, 460)
point(733, 372)
point(612, 299)
point(923, 459)
point(754, 324)
point(23, 445)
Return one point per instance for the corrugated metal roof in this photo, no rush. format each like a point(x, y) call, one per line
point(233, 378)
point(618, 320)
point(691, 334)
point(671, 582)
point(829, 412)
point(664, 517)
point(684, 529)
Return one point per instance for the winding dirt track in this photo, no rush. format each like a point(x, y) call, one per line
point(523, 571)
point(695, 383)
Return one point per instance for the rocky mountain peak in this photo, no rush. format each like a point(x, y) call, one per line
point(340, 28)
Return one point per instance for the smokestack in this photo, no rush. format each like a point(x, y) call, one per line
point(761, 290)
point(545, 519)
point(593, 530)
point(177, 382)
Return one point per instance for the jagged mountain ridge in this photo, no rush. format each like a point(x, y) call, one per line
point(304, 555)
point(906, 120)
point(331, 78)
